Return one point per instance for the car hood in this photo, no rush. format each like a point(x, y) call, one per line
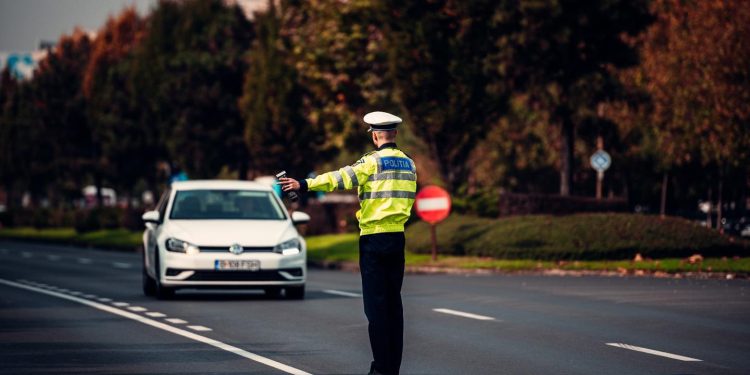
point(227, 232)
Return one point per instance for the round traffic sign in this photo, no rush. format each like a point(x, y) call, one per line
point(600, 161)
point(433, 204)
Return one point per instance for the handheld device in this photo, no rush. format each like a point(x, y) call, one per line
point(291, 194)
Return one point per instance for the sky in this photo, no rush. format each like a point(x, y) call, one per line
point(24, 23)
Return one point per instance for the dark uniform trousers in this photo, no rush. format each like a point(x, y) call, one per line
point(381, 263)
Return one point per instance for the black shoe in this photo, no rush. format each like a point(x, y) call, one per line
point(373, 371)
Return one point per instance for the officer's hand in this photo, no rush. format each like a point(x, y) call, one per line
point(289, 184)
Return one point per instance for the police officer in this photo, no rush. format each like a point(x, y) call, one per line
point(386, 180)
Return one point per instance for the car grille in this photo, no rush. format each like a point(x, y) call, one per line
point(225, 249)
point(262, 275)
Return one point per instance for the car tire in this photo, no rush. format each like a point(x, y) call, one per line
point(149, 285)
point(161, 291)
point(272, 292)
point(295, 292)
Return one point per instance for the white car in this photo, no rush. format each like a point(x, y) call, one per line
point(223, 234)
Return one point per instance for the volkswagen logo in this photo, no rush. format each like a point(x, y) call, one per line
point(236, 249)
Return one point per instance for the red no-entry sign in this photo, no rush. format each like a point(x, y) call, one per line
point(433, 204)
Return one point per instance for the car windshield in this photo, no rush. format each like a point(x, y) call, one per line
point(226, 204)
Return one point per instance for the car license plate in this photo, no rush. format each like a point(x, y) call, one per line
point(237, 265)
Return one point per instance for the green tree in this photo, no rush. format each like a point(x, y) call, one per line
point(186, 77)
point(54, 121)
point(121, 147)
point(437, 56)
point(277, 132)
point(337, 51)
point(564, 56)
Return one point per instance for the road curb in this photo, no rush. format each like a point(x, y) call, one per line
point(427, 270)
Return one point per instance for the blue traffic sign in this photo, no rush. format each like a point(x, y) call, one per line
point(601, 161)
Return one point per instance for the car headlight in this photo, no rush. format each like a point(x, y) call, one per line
point(290, 247)
point(181, 246)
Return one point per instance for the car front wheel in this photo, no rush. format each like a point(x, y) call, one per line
point(161, 291)
point(149, 285)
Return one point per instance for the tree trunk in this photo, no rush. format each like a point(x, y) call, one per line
point(98, 183)
point(243, 165)
point(719, 202)
point(709, 222)
point(566, 156)
point(664, 185)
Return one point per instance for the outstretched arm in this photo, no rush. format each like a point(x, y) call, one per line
point(345, 178)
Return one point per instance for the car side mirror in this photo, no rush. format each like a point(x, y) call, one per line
point(151, 217)
point(300, 218)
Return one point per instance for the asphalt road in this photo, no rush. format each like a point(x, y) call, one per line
point(66, 310)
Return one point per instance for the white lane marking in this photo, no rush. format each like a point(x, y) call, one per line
point(104, 299)
point(463, 314)
point(76, 293)
point(200, 328)
point(84, 260)
point(176, 321)
point(89, 296)
point(166, 327)
point(120, 304)
point(4, 251)
point(26, 254)
point(137, 308)
point(342, 293)
point(121, 265)
point(155, 314)
point(53, 258)
point(654, 352)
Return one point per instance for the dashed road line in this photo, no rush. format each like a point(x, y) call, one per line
point(654, 352)
point(176, 321)
point(342, 293)
point(104, 299)
point(166, 327)
point(155, 314)
point(120, 304)
point(121, 265)
point(26, 254)
point(137, 308)
point(53, 258)
point(85, 260)
point(463, 314)
point(90, 296)
point(76, 293)
point(200, 328)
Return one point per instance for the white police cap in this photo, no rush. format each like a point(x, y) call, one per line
point(381, 121)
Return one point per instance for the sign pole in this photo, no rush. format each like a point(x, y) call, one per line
point(434, 242)
point(599, 180)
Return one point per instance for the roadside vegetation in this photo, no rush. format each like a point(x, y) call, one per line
point(117, 239)
point(575, 237)
point(586, 242)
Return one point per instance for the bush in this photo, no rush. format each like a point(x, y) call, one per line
point(98, 218)
point(574, 237)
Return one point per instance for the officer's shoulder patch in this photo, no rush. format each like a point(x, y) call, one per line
point(362, 159)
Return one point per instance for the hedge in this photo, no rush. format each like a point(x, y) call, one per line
point(574, 237)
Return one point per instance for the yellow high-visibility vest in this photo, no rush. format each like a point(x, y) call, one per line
point(386, 181)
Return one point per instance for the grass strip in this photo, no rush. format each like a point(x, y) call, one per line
point(345, 248)
point(119, 239)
